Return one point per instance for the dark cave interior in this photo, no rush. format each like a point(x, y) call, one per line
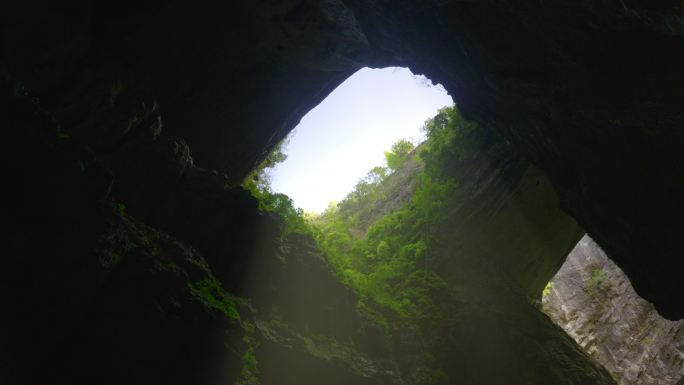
point(129, 127)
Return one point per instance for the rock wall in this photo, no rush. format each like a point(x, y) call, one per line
point(593, 300)
point(99, 296)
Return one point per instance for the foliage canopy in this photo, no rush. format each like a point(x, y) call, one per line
point(397, 156)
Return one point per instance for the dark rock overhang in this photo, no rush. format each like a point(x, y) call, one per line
point(592, 94)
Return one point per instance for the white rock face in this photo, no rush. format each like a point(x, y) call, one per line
point(593, 300)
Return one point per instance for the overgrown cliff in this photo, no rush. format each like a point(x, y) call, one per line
point(410, 242)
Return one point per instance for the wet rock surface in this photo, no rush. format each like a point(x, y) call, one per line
point(593, 300)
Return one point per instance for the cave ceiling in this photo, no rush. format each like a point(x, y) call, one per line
point(590, 92)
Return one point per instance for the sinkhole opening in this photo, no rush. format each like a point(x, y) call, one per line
point(338, 142)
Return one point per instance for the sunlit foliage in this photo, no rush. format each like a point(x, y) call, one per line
point(398, 154)
point(386, 258)
point(258, 183)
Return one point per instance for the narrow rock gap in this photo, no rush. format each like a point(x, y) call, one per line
point(592, 299)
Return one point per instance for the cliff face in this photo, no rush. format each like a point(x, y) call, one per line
point(593, 300)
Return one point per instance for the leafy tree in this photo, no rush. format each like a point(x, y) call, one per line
point(398, 154)
point(450, 141)
point(376, 175)
point(260, 177)
point(258, 182)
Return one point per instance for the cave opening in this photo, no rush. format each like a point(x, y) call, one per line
point(318, 170)
point(344, 137)
point(129, 129)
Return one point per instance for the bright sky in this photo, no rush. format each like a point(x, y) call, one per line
point(345, 136)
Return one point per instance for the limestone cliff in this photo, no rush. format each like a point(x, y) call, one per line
point(593, 300)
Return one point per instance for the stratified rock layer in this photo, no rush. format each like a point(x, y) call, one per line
point(593, 300)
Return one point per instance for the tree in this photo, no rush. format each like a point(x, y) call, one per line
point(258, 183)
point(376, 175)
point(260, 178)
point(398, 154)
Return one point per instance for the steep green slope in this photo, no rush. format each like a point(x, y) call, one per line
point(447, 256)
point(377, 238)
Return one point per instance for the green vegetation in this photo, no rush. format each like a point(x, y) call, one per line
point(62, 136)
point(597, 278)
point(249, 374)
point(187, 275)
point(398, 155)
point(386, 261)
point(121, 209)
point(209, 291)
point(258, 183)
point(110, 259)
point(547, 290)
point(382, 239)
point(259, 179)
point(386, 258)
